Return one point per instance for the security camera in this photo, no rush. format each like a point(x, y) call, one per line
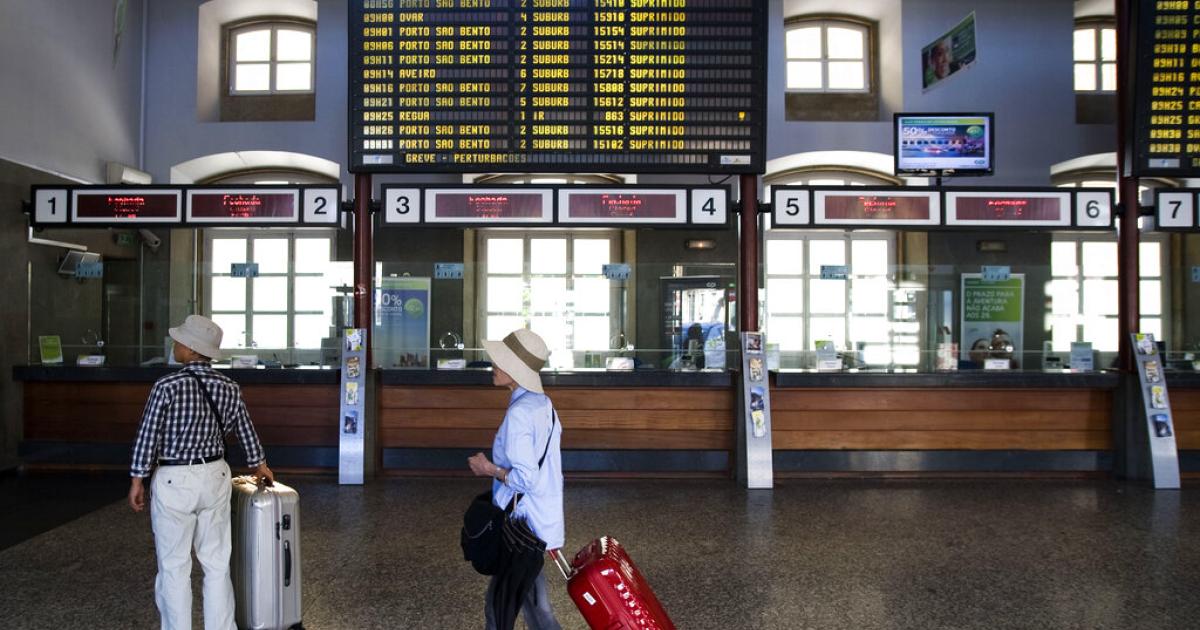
point(150, 239)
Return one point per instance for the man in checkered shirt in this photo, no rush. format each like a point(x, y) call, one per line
point(183, 434)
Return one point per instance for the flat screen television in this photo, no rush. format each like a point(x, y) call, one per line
point(944, 144)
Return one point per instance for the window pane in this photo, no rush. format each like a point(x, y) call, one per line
point(225, 252)
point(846, 75)
point(252, 77)
point(312, 255)
point(310, 330)
point(804, 75)
point(1108, 44)
point(505, 255)
point(1151, 325)
point(1085, 77)
point(844, 43)
point(1108, 77)
point(825, 253)
point(1150, 297)
point(271, 254)
point(548, 255)
point(1085, 44)
point(1100, 297)
point(591, 295)
point(233, 329)
point(228, 294)
point(591, 254)
point(1062, 333)
point(270, 294)
point(1149, 260)
point(548, 295)
point(270, 331)
point(869, 296)
point(253, 46)
point(1099, 259)
point(869, 329)
point(1101, 332)
point(293, 45)
point(505, 295)
point(828, 328)
point(804, 43)
point(788, 332)
point(825, 181)
point(785, 296)
point(1062, 258)
point(293, 77)
point(591, 333)
point(313, 293)
point(828, 296)
point(1064, 297)
point(785, 257)
point(553, 331)
point(498, 326)
point(870, 258)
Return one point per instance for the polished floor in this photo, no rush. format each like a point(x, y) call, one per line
point(808, 554)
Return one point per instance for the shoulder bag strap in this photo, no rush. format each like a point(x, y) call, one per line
point(212, 406)
point(512, 503)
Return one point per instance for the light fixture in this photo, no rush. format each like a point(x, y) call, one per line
point(700, 243)
point(998, 247)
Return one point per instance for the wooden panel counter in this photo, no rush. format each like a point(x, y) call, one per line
point(88, 416)
point(1184, 390)
point(943, 422)
point(646, 422)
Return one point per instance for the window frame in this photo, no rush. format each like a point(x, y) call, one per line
point(824, 22)
point(482, 313)
point(247, 343)
point(274, 26)
point(1097, 26)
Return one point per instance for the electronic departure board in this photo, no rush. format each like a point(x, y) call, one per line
point(958, 207)
point(633, 86)
point(1167, 88)
point(569, 204)
point(111, 206)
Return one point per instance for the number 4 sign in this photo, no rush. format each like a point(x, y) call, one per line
point(1175, 209)
point(710, 206)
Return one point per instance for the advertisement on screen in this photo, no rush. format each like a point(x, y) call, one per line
point(929, 143)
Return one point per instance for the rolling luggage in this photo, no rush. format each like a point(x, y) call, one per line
point(266, 555)
point(609, 590)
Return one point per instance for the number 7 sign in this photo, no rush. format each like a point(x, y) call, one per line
point(1175, 209)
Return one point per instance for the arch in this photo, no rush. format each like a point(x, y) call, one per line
point(868, 164)
point(209, 167)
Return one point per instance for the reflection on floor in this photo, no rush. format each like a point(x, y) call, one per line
point(809, 554)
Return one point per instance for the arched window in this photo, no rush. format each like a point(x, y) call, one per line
point(271, 58)
point(830, 68)
point(1095, 55)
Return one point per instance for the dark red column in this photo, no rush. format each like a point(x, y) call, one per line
point(748, 256)
point(364, 256)
point(1127, 185)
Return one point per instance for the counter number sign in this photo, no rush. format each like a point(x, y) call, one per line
point(791, 207)
point(50, 205)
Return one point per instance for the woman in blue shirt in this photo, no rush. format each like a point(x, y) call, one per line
point(526, 461)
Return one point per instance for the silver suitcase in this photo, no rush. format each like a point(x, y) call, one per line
point(266, 555)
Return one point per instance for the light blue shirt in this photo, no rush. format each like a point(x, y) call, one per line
point(518, 447)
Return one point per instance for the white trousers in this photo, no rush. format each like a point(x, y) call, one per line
point(189, 509)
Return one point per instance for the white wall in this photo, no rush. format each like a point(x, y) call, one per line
point(174, 132)
point(66, 107)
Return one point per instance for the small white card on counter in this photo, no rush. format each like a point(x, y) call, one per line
point(91, 360)
point(997, 364)
point(451, 364)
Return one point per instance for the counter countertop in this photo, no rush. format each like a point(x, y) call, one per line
point(149, 374)
point(579, 378)
point(960, 379)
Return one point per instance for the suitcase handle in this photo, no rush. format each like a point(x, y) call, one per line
point(564, 567)
point(287, 563)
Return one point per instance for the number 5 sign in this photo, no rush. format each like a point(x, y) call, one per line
point(789, 206)
point(1175, 210)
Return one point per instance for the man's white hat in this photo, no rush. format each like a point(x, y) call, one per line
point(521, 355)
point(200, 334)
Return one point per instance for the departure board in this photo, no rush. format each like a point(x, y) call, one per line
point(631, 86)
point(1167, 88)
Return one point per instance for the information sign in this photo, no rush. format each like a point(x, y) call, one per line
point(243, 205)
point(480, 206)
point(864, 207)
point(557, 86)
point(622, 205)
point(1002, 208)
point(125, 205)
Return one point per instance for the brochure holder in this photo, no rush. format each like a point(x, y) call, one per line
point(756, 468)
point(352, 418)
point(1156, 408)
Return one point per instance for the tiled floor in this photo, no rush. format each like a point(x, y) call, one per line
point(809, 554)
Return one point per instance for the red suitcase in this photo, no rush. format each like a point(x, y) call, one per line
point(609, 590)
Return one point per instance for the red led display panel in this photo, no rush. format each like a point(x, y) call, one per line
point(876, 207)
point(131, 206)
point(491, 205)
point(239, 206)
point(1016, 209)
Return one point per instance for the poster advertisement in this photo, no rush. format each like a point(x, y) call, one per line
point(949, 53)
point(402, 323)
point(993, 317)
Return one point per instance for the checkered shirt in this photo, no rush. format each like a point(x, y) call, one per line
point(178, 424)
